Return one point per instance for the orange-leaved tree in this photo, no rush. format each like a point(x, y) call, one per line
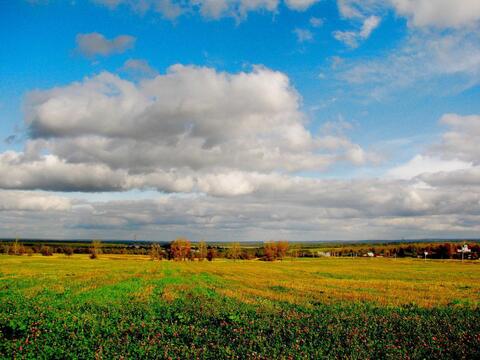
point(180, 248)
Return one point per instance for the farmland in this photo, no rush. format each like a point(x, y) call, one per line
point(122, 306)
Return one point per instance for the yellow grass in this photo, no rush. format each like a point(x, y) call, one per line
point(384, 281)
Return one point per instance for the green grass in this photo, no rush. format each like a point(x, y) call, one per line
point(130, 307)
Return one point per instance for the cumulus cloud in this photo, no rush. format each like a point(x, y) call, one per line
point(431, 195)
point(93, 44)
point(439, 13)
point(420, 13)
point(192, 129)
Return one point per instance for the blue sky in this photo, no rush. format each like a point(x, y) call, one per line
point(368, 84)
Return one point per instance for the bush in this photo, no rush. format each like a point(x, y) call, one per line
point(68, 251)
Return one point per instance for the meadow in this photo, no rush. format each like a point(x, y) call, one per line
point(121, 306)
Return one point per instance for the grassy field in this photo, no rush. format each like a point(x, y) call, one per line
point(131, 307)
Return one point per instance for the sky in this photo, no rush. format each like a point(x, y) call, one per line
point(240, 120)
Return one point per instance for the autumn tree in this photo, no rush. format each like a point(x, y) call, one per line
point(156, 252)
point(17, 248)
point(234, 251)
point(180, 249)
point(202, 250)
point(275, 250)
point(282, 248)
point(46, 250)
point(269, 251)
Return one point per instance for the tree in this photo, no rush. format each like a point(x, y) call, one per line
point(68, 251)
point(269, 251)
point(211, 254)
point(275, 250)
point(17, 248)
point(46, 250)
point(202, 250)
point(282, 248)
point(180, 248)
point(234, 251)
point(156, 252)
point(96, 249)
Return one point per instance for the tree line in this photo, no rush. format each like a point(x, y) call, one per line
point(183, 249)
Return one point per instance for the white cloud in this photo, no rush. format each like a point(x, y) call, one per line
point(138, 67)
point(421, 164)
point(431, 195)
point(192, 129)
point(300, 5)
point(439, 13)
point(369, 24)
point(32, 201)
point(420, 13)
point(462, 138)
point(292, 207)
point(352, 38)
point(421, 60)
point(349, 38)
point(209, 9)
point(316, 22)
point(303, 35)
point(94, 44)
